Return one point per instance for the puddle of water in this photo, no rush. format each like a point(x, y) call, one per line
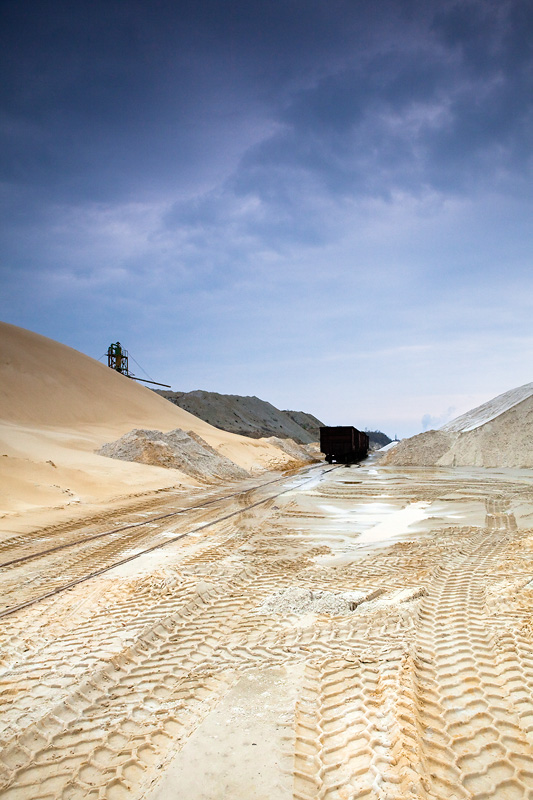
point(350, 532)
point(340, 526)
point(363, 516)
point(305, 483)
point(395, 524)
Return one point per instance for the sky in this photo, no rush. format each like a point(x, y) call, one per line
point(327, 204)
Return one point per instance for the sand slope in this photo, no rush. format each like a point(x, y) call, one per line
point(307, 421)
point(489, 411)
point(57, 406)
point(496, 434)
point(249, 416)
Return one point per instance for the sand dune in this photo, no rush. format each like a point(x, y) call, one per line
point(57, 406)
point(498, 433)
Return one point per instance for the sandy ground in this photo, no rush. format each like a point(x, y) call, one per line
point(365, 634)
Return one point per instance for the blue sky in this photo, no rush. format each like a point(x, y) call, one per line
point(328, 205)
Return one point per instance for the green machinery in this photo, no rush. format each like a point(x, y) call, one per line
point(118, 359)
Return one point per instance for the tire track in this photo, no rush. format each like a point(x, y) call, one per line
point(164, 676)
point(105, 553)
point(476, 746)
point(419, 697)
point(354, 737)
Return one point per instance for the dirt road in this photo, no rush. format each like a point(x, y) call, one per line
point(367, 633)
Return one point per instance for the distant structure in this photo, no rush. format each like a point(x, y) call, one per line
point(118, 359)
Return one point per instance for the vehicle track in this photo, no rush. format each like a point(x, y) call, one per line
point(106, 557)
point(176, 664)
point(461, 718)
point(430, 699)
point(20, 542)
point(477, 744)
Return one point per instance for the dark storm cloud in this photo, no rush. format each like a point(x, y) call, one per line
point(452, 108)
point(103, 101)
point(100, 97)
point(439, 101)
point(359, 130)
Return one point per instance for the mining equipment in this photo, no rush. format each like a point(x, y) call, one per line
point(343, 444)
point(118, 359)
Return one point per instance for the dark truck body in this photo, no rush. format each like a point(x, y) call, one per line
point(343, 444)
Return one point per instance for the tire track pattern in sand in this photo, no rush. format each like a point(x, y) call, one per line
point(144, 701)
point(461, 720)
point(56, 570)
point(354, 736)
point(394, 706)
point(475, 743)
point(128, 713)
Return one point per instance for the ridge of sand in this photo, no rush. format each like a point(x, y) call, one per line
point(253, 417)
point(298, 452)
point(497, 434)
point(58, 406)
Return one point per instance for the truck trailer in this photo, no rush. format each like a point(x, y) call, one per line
point(343, 444)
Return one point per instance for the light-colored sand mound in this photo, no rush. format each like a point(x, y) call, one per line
point(423, 450)
point(58, 405)
point(496, 434)
point(174, 450)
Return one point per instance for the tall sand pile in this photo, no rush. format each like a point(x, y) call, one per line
point(307, 421)
point(248, 416)
point(496, 434)
point(57, 406)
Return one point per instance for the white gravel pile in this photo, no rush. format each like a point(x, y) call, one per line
point(297, 451)
point(496, 434)
point(306, 601)
point(176, 449)
point(387, 447)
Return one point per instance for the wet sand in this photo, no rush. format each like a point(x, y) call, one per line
point(196, 671)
